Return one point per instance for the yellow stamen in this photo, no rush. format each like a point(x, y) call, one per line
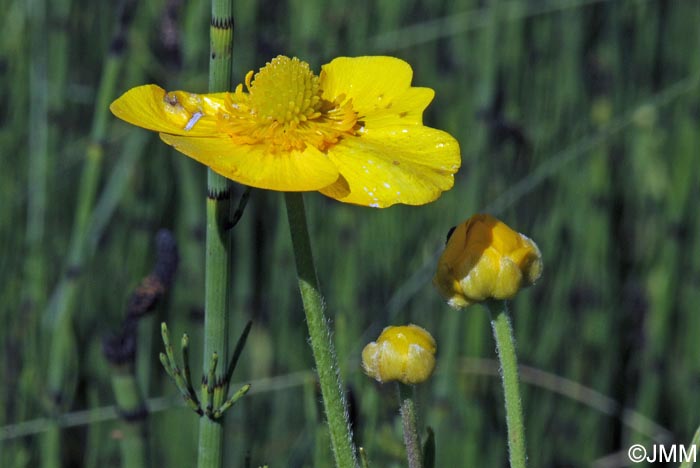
point(284, 109)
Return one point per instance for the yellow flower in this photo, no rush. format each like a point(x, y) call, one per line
point(405, 353)
point(354, 132)
point(485, 259)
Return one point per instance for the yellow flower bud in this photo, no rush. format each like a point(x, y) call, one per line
point(485, 259)
point(405, 353)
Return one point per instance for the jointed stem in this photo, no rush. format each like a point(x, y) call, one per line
point(62, 305)
point(503, 333)
point(217, 279)
point(321, 343)
point(218, 258)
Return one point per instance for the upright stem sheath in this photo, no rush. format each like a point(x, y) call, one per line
point(321, 343)
point(218, 243)
point(216, 305)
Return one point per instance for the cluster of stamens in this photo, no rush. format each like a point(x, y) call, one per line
point(284, 110)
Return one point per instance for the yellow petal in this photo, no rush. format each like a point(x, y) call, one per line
point(486, 259)
point(371, 82)
point(406, 108)
point(408, 164)
point(178, 112)
point(403, 353)
point(255, 166)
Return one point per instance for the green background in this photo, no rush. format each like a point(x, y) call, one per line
point(579, 125)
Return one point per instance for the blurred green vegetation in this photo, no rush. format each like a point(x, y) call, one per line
point(579, 122)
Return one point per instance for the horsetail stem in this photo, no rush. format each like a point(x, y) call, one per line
point(218, 240)
point(62, 303)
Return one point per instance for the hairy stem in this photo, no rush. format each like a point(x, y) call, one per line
point(320, 337)
point(503, 333)
point(410, 426)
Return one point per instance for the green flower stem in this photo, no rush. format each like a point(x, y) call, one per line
point(410, 426)
point(131, 404)
point(319, 333)
point(217, 275)
point(503, 333)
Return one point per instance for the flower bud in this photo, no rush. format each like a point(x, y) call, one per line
point(405, 353)
point(486, 259)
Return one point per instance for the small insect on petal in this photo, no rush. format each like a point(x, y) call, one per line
point(195, 118)
point(356, 124)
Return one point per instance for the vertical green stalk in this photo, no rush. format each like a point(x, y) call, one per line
point(133, 444)
point(319, 333)
point(58, 53)
point(62, 305)
point(503, 333)
point(410, 425)
point(217, 275)
point(34, 295)
point(216, 307)
point(111, 195)
point(38, 146)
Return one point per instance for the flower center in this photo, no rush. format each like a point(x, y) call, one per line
point(283, 109)
point(285, 91)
